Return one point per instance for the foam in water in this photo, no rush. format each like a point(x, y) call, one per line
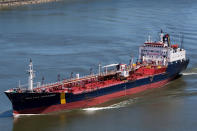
point(191, 73)
point(20, 115)
point(118, 105)
point(97, 108)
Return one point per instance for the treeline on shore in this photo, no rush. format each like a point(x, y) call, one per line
point(7, 3)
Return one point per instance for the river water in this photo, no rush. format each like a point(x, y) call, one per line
point(76, 35)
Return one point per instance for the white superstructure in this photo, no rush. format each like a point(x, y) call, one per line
point(175, 54)
point(161, 52)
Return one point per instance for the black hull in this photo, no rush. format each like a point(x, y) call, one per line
point(25, 101)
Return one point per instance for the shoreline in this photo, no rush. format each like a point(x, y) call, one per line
point(12, 3)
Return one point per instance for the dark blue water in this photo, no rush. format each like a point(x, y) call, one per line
point(76, 35)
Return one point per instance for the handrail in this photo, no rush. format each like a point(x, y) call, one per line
point(71, 80)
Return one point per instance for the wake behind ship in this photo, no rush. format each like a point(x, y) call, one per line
point(158, 63)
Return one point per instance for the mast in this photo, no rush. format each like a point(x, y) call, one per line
point(131, 61)
point(31, 76)
point(99, 69)
point(182, 39)
point(161, 36)
point(149, 39)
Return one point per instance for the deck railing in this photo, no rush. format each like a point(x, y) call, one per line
point(67, 81)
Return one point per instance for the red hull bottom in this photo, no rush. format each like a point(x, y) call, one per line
point(91, 102)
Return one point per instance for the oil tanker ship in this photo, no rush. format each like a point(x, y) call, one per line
point(158, 63)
